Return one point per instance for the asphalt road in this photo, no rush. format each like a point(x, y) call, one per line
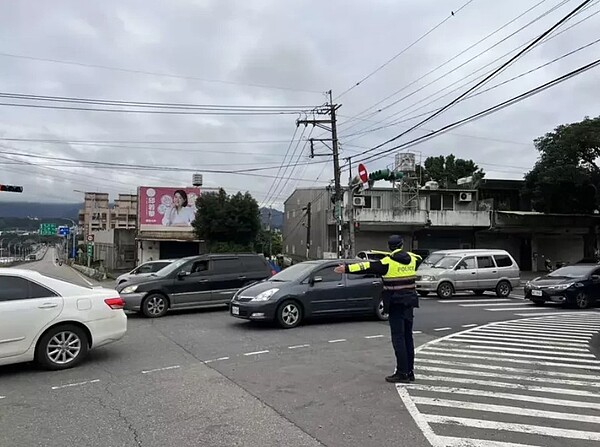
point(203, 378)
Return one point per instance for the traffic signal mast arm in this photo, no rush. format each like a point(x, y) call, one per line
point(384, 174)
point(11, 188)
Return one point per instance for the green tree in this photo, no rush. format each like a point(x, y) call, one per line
point(273, 248)
point(228, 223)
point(447, 170)
point(566, 177)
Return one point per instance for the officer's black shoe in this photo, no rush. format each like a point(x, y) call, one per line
point(411, 376)
point(398, 378)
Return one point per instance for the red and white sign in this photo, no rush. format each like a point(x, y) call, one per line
point(90, 238)
point(362, 173)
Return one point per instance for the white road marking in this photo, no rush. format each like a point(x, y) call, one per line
point(508, 351)
point(470, 325)
point(539, 335)
point(509, 309)
point(2, 397)
point(532, 344)
point(89, 283)
point(337, 341)
point(443, 329)
point(570, 375)
point(493, 304)
point(551, 328)
point(559, 356)
point(481, 300)
point(450, 441)
point(298, 346)
point(419, 418)
point(257, 352)
point(417, 332)
point(216, 360)
point(506, 396)
point(75, 384)
point(166, 368)
point(375, 336)
point(571, 327)
point(541, 314)
point(493, 408)
point(534, 332)
point(512, 427)
point(491, 337)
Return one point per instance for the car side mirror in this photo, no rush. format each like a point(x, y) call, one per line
point(315, 279)
point(182, 274)
point(595, 277)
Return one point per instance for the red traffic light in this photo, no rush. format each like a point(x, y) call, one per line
point(11, 188)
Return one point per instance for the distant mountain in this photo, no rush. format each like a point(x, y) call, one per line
point(40, 210)
point(276, 217)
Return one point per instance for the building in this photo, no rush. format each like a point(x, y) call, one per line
point(98, 214)
point(492, 214)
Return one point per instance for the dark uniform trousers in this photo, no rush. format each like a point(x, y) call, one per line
point(400, 306)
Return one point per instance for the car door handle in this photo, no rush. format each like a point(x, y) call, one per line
point(241, 277)
point(47, 306)
point(339, 285)
point(376, 283)
point(473, 273)
point(494, 271)
point(203, 280)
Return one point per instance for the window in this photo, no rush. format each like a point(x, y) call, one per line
point(199, 267)
point(227, 265)
point(466, 264)
point(441, 202)
point(253, 263)
point(328, 274)
point(37, 291)
point(13, 288)
point(373, 202)
point(144, 268)
point(485, 262)
point(503, 261)
point(156, 266)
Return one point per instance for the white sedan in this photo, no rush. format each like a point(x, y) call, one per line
point(54, 322)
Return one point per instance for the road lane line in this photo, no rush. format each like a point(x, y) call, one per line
point(75, 384)
point(481, 300)
point(417, 332)
point(375, 336)
point(506, 396)
point(166, 368)
point(298, 346)
point(257, 352)
point(559, 356)
point(513, 338)
point(509, 309)
point(89, 283)
point(510, 350)
point(537, 335)
point(504, 409)
point(216, 360)
point(470, 325)
point(574, 327)
point(337, 341)
point(443, 329)
point(496, 375)
point(437, 362)
point(525, 344)
point(512, 427)
point(509, 360)
point(536, 332)
point(450, 441)
point(551, 328)
point(419, 418)
point(493, 304)
point(542, 314)
point(2, 397)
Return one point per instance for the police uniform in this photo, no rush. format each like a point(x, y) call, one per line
point(398, 272)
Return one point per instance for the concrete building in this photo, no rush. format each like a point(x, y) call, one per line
point(491, 215)
point(98, 214)
point(115, 248)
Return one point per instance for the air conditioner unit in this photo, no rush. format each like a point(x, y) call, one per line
point(465, 197)
point(358, 201)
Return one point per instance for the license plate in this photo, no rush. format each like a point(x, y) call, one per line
point(235, 310)
point(536, 292)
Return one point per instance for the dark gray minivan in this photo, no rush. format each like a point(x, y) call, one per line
point(197, 281)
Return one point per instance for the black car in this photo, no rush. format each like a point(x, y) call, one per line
point(577, 285)
point(198, 281)
point(309, 289)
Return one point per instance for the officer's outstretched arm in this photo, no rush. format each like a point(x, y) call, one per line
point(367, 267)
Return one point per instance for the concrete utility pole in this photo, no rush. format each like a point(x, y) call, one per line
point(338, 193)
point(308, 224)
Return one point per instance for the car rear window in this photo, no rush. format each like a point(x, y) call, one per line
point(503, 260)
point(254, 263)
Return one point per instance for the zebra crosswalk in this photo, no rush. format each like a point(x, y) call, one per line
point(522, 383)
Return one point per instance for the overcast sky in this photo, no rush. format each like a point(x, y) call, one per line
point(272, 52)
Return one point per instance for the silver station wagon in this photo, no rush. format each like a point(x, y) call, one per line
point(478, 270)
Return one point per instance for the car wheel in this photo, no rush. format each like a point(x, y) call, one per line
point(62, 347)
point(503, 289)
point(445, 290)
point(289, 314)
point(539, 302)
point(479, 292)
point(155, 306)
point(582, 301)
point(422, 293)
point(380, 311)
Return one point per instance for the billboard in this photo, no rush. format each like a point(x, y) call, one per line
point(167, 208)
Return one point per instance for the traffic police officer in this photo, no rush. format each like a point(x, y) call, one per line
point(398, 271)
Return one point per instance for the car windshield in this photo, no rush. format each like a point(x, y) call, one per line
point(433, 258)
point(447, 262)
point(572, 271)
point(174, 266)
point(294, 272)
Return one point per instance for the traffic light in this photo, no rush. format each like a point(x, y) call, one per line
point(384, 174)
point(11, 188)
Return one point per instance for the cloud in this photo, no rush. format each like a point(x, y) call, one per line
point(228, 52)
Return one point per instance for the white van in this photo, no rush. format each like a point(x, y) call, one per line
point(478, 270)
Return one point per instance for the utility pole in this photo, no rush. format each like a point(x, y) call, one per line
point(351, 229)
point(308, 223)
point(338, 193)
point(270, 235)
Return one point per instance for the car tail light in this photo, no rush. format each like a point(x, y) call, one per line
point(115, 303)
point(273, 272)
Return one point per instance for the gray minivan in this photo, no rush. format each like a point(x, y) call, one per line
point(479, 270)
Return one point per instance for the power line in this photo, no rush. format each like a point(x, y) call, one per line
point(393, 58)
point(487, 78)
point(152, 73)
point(487, 111)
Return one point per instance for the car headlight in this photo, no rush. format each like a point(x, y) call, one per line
point(129, 289)
point(266, 295)
point(563, 286)
point(427, 278)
